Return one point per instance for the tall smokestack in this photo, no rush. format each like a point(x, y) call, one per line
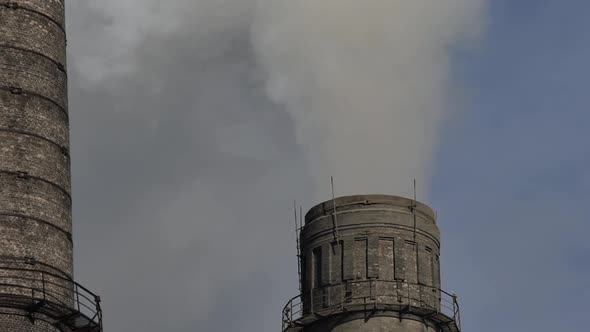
point(371, 263)
point(37, 290)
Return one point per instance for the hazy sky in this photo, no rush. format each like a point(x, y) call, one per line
point(189, 146)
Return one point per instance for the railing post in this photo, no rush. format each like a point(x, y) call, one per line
point(98, 308)
point(77, 291)
point(456, 311)
point(454, 306)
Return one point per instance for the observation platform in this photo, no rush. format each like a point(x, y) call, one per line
point(31, 289)
point(296, 315)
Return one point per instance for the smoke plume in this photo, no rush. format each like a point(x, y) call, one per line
point(365, 81)
point(195, 122)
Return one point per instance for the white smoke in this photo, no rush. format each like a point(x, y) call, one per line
point(112, 51)
point(366, 82)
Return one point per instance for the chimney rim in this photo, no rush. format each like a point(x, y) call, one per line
point(327, 207)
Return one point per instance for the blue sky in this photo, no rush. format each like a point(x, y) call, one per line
point(513, 172)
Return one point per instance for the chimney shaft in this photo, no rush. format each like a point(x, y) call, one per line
point(37, 291)
point(371, 263)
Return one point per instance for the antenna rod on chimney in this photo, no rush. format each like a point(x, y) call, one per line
point(334, 214)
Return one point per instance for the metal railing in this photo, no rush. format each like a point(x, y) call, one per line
point(44, 293)
point(373, 294)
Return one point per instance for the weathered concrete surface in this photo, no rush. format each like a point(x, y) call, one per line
point(358, 322)
point(370, 249)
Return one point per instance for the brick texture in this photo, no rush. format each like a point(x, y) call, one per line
point(17, 323)
point(35, 199)
point(33, 73)
point(35, 116)
point(36, 33)
point(54, 9)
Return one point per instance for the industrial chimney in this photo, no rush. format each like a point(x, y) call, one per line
point(37, 290)
point(370, 263)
